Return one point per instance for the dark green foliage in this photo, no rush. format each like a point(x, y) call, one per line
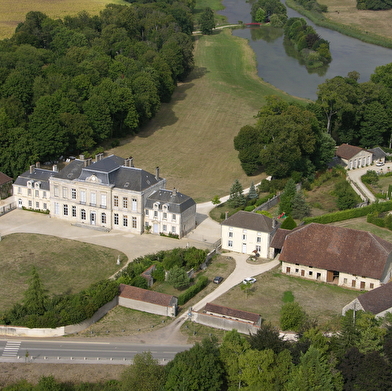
point(139, 282)
point(374, 5)
point(288, 223)
point(207, 21)
point(193, 290)
point(236, 198)
point(178, 277)
point(252, 192)
point(370, 177)
point(267, 337)
point(346, 196)
point(270, 8)
point(300, 208)
point(246, 143)
point(197, 369)
point(159, 273)
point(35, 296)
point(286, 198)
point(292, 316)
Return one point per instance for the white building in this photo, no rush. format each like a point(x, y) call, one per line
point(354, 157)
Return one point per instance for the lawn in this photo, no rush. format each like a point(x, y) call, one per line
point(321, 301)
point(191, 138)
point(14, 12)
point(65, 266)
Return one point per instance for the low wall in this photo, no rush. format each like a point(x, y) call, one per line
point(223, 323)
point(17, 331)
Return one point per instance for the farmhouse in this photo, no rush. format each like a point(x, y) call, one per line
point(342, 256)
point(378, 301)
point(354, 157)
point(248, 232)
point(109, 193)
point(147, 301)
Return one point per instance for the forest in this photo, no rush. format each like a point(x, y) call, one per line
point(68, 85)
point(375, 5)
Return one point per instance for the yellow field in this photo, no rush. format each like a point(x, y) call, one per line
point(13, 12)
point(345, 12)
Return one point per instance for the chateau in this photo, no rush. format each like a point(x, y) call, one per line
point(109, 193)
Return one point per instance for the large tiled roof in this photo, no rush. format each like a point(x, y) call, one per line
point(4, 178)
point(335, 248)
point(38, 175)
point(134, 293)
point(176, 201)
point(279, 237)
point(231, 312)
point(250, 220)
point(377, 300)
point(346, 151)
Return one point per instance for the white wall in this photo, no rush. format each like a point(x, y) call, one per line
point(146, 307)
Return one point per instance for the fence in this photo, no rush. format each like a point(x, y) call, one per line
point(7, 208)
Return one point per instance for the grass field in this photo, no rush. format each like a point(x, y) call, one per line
point(191, 138)
point(267, 298)
point(345, 12)
point(65, 266)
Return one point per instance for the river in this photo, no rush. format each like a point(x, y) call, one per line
point(278, 66)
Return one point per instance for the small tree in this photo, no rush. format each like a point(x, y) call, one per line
point(207, 21)
point(35, 297)
point(260, 15)
point(236, 197)
point(286, 198)
point(252, 192)
point(178, 278)
point(292, 316)
point(288, 223)
point(300, 208)
point(216, 200)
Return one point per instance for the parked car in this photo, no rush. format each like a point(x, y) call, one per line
point(380, 164)
point(217, 280)
point(249, 280)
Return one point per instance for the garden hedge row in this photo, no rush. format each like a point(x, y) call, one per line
point(193, 290)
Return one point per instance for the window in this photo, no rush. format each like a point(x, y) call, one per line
point(310, 273)
point(125, 221)
point(296, 270)
point(146, 212)
point(243, 237)
point(103, 218)
point(353, 283)
point(65, 192)
point(45, 206)
point(56, 208)
point(29, 192)
point(116, 219)
point(82, 197)
point(164, 228)
point(56, 191)
point(103, 201)
point(344, 280)
point(73, 194)
point(362, 285)
point(134, 222)
point(93, 199)
point(65, 209)
point(44, 194)
point(73, 211)
point(134, 204)
point(258, 248)
point(258, 239)
point(37, 193)
point(173, 229)
point(230, 243)
point(174, 217)
point(230, 234)
point(164, 216)
point(37, 205)
point(155, 213)
point(83, 214)
point(371, 285)
point(125, 202)
point(115, 200)
point(19, 190)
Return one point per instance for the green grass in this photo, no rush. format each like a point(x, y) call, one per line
point(288, 297)
point(64, 266)
point(321, 301)
point(191, 138)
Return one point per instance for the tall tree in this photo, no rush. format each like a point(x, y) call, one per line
point(286, 198)
point(35, 296)
point(207, 21)
point(300, 208)
point(236, 197)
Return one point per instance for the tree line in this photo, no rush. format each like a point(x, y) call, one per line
point(68, 85)
point(375, 5)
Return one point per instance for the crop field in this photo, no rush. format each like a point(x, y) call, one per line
point(64, 266)
point(345, 12)
point(191, 138)
point(14, 12)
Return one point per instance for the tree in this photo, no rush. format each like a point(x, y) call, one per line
point(252, 192)
point(178, 278)
point(236, 197)
point(207, 21)
point(300, 208)
point(196, 369)
point(288, 223)
point(292, 316)
point(267, 337)
point(286, 198)
point(35, 297)
point(216, 200)
point(145, 374)
point(260, 15)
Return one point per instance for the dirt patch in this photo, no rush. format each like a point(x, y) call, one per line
point(11, 373)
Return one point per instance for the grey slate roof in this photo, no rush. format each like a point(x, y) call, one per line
point(71, 171)
point(176, 201)
point(250, 220)
point(378, 153)
point(377, 300)
point(38, 175)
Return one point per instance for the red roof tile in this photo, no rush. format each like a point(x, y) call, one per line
point(346, 151)
point(134, 293)
point(345, 250)
point(4, 178)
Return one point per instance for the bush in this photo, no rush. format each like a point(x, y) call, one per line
point(292, 316)
point(249, 208)
point(288, 223)
point(193, 290)
point(178, 277)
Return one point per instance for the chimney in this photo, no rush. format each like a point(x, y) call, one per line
point(55, 169)
point(88, 161)
point(273, 223)
point(38, 165)
point(81, 157)
point(157, 173)
point(226, 215)
point(32, 169)
point(131, 162)
point(174, 193)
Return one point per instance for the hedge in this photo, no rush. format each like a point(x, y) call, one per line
point(193, 290)
point(350, 213)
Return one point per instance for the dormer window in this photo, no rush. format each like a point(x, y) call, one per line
point(166, 207)
point(30, 184)
point(156, 205)
point(37, 185)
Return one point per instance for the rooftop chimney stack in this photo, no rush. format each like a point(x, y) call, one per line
point(174, 193)
point(273, 223)
point(55, 169)
point(32, 169)
point(226, 215)
point(38, 165)
point(157, 173)
point(131, 162)
point(88, 161)
point(81, 157)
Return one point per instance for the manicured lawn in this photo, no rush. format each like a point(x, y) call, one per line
point(65, 266)
point(191, 138)
point(14, 12)
point(321, 301)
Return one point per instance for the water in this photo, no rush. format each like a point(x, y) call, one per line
point(278, 65)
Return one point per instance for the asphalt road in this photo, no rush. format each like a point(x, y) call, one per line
point(20, 350)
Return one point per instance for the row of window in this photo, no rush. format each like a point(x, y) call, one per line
point(164, 215)
point(230, 244)
point(258, 239)
point(37, 205)
point(30, 192)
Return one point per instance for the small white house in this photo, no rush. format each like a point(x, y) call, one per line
point(248, 233)
point(354, 157)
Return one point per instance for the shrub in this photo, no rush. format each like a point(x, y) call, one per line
point(193, 290)
point(249, 208)
point(178, 278)
point(288, 223)
point(292, 316)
